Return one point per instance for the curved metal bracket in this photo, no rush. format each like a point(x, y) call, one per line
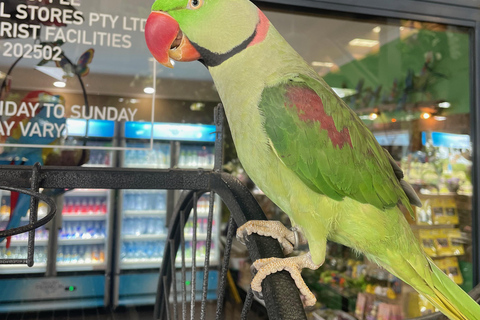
point(34, 223)
point(37, 224)
point(281, 296)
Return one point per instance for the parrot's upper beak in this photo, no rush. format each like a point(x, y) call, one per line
point(165, 40)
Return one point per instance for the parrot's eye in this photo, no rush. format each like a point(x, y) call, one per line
point(194, 4)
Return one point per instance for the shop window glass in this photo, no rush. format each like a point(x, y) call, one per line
point(410, 83)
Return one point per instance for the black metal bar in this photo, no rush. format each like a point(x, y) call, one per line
point(281, 296)
point(33, 215)
point(107, 178)
point(13, 261)
point(194, 258)
point(166, 295)
point(52, 246)
point(174, 280)
point(171, 248)
point(247, 305)
point(208, 245)
point(184, 268)
point(219, 119)
point(225, 266)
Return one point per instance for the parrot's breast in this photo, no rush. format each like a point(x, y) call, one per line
point(240, 81)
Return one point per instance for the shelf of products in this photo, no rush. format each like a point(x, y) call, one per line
point(158, 157)
point(196, 157)
point(82, 238)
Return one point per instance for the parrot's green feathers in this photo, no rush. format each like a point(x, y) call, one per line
point(306, 149)
point(318, 137)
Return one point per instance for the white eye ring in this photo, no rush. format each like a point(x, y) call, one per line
point(194, 4)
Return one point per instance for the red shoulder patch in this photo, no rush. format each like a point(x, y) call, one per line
point(310, 108)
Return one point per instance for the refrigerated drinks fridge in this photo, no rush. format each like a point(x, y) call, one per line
point(79, 274)
point(143, 213)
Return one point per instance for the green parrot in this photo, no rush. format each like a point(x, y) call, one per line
point(303, 146)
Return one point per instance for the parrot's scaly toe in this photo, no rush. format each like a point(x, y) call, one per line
point(288, 239)
point(294, 266)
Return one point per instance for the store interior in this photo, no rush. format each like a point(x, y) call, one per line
point(409, 81)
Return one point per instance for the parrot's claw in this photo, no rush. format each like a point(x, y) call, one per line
point(294, 266)
point(289, 239)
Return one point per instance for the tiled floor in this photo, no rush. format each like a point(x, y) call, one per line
point(231, 312)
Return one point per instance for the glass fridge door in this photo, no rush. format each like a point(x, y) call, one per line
point(143, 230)
point(83, 237)
point(82, 240)
point(195, 155)
point(141, 156)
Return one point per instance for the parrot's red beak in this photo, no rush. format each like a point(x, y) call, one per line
point(165, 40)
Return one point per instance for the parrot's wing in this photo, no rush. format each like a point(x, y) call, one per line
point(316, 135)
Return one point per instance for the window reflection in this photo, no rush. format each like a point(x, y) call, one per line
point(409, 82)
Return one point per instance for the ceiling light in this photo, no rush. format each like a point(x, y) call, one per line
point(59, 84)
point(363, 43)
point(444, 105)
point(425, 115)
point(149, 90)
point(377, 29)
point(322, 64)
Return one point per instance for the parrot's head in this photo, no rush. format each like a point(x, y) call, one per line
point(207, 30)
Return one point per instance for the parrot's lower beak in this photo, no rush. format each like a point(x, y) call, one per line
point(166, 41)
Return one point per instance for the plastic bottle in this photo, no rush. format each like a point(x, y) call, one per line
point(84, 206)
point(182, 160)
point(95, 254)
point(103, 206)
point(67, 207)
point(60, 255)
point(102, 254)
point(106, 159)
point(74, 254)
point(91, 206)
point(76, 207)
point(161, 161)
point(151, 224)
point(88, 254)
point(127, 201)
point(137, 197)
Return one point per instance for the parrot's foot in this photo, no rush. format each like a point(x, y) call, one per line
point(289, 239)
point(294, 265)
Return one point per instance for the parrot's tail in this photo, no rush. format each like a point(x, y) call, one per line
point(450, 298)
